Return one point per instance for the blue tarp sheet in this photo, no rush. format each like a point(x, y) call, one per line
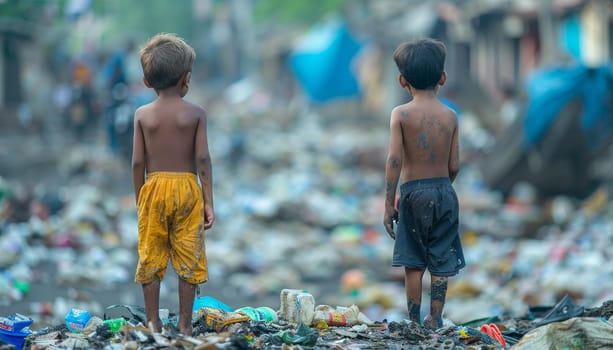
point(323, 63)
point(550, 90)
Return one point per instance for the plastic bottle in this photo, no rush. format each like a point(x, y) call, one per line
point(261, 313)
point(115, 324)
point(339, 317)
point(267, 313)
point(249, 311)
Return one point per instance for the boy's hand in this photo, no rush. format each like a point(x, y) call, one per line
point(390, 216)
point(209, 217)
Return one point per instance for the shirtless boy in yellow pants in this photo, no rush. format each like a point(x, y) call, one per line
point(170, 154)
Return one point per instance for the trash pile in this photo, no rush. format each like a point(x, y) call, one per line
point(300, 324)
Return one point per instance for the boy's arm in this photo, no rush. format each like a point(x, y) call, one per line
point(205, 169)
point(138, 157)
point(392, 172)
point(454, 154)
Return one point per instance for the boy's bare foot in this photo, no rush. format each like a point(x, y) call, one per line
point(155, 327)
point(186, 331)
point(432, 324)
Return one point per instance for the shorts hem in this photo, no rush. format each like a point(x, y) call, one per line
point(433, 273)
point(411, 266)
point(194, 282)
point(146, 281)
point(444, 274)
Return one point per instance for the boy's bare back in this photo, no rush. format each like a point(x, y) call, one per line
point(173, 132)
point(426, 130)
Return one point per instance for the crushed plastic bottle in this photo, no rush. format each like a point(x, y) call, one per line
point(115, 324)
point(262, 313)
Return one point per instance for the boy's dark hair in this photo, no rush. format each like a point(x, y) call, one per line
point(165, 58)
point(421, 62)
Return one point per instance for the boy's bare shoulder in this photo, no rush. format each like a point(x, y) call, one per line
point(142, 111)
point(401, 111)
point(194, 108)
point(451, 112)
point(189, 109)
point(408, 112)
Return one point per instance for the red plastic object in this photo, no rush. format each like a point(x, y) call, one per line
point(493, 331)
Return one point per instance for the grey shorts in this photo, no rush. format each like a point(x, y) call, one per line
point(427, 236)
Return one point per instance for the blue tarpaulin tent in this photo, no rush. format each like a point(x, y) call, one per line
point(550, 90)
point(323, 63)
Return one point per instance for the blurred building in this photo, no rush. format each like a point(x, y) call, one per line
point(13, 34)
point(494, 43)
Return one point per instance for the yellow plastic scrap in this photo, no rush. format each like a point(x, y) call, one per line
point(219, 319)
point(462, 332)
point(321, 324)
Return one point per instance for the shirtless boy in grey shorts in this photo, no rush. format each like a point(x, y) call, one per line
point(424, 149)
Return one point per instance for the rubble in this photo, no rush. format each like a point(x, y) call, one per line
point(220, 329)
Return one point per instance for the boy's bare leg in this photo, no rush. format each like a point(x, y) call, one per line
point(151, 292)
point(187, 293)
point(412, 284)
point(437, 302)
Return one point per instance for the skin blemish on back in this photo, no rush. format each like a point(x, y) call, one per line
point(405, 114)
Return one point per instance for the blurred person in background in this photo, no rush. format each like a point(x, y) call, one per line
point(81, 107)
point(424, 150)
point(509, 106)
point(121, 101)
